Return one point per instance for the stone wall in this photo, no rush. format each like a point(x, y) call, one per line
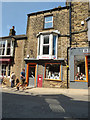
point(18, 58)
point(35, 25)
point(54, 84)
point(79, 13)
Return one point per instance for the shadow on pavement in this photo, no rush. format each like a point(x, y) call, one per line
point(43, 106)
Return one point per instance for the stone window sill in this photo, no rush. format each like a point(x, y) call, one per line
point(53, 79)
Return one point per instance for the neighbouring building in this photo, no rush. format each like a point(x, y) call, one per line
point(11, 54)
point(79, 62)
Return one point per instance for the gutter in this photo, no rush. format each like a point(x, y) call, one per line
point(70, 41)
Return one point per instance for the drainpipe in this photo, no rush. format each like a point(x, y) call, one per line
point(70, 41)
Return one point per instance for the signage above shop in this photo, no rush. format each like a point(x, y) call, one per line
point(46, 57)
point(86, 51)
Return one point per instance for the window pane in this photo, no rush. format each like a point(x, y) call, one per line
point(54, 45)
point(39, 47)
point(0, 51)
point(9, 70)
point(46, 39)
point(2, 47)
point(47, 19)
point(3, 70)
point(8, 48)
point(46, 49)
point(0, 44)
point(3, 51)
point(79, 68)
point(53, 71)
point(48, 25)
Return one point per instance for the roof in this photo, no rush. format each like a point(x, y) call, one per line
point(50, 10)
point(17, 37)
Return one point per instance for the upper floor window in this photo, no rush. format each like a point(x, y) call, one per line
point(6, 48)
point(48, 22)
point(47, 46)
point(2, 47)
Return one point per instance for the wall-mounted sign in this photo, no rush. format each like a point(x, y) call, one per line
point(46, 57)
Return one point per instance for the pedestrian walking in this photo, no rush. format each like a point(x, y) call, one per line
point(1, 78)
point(22, 77)
point(17, 84)
point(13, 77)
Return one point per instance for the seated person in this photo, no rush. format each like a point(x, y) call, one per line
point(77, 77)
point(81, 76)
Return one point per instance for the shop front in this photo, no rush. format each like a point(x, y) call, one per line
point(43, 73)
point(79, 68)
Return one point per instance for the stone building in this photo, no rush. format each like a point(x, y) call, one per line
point(11, 54)
point(56, 45)
point(55, 50)
point(79, 60)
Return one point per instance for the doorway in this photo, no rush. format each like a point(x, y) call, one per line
point(31, 75)
point(88, 73)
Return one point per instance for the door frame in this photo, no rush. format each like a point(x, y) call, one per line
point(27, 73)
point(86, 67)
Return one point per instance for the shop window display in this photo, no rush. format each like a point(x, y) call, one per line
point(52, 71)
point(79, 68)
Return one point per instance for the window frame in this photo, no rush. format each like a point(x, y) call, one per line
point(43, 44)
point(45, 22)
point(9, 70)
point(4, 70)
point(6, 47)
point(1, 47)
point(40, 46)
point(74, 71)
point(49, 78)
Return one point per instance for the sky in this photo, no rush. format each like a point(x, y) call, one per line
point(15, 14)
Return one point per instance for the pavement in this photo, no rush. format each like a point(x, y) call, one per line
point(50, 91)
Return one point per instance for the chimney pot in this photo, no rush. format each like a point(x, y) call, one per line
point(13, 27)
point(12, 31)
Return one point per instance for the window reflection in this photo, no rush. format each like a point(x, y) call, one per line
point(52, 71)
point(79, 68)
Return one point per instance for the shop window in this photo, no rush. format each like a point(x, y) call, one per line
point(52, 71)
point(9, 70)
point(48, 22)
point(3, 70)
point(79, 68)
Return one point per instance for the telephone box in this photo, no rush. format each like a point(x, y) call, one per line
point(40, 79)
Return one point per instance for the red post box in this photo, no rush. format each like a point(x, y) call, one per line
point(40, 79)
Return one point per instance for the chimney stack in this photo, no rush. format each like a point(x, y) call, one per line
point(12, 31)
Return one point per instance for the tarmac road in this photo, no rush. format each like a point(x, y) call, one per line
point(44, 103)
